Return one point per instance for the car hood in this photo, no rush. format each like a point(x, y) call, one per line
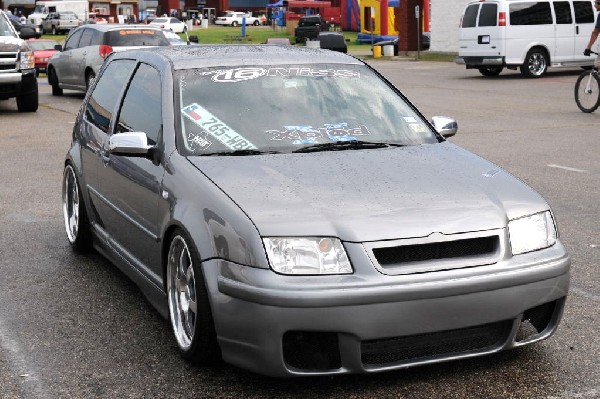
point(371, 195)
point(10, 44)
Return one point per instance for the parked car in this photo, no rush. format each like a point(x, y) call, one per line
point(309, 27)
point(169, 23)
point(25, 31)
point(43, 50)
point(76, 64)
point(236, 18)
point(17, 68)
point(60, 22)
point(175, 40)
point(339, 232)
point(332, 41)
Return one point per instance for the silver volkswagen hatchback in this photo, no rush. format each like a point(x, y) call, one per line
point(292, 213)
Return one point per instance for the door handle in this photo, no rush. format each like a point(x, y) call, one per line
point(577, 30)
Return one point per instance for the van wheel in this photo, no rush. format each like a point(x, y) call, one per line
point(536, 63)
point(491, 71)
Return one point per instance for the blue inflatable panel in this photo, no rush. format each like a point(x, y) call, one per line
point(366, 38)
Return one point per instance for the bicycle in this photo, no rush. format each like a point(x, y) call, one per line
point(587, 90)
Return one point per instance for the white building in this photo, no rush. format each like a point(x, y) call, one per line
point(445, 20)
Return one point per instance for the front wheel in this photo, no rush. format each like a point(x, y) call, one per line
point(77, 224)
point(189, 308)
point(234, 24)
point(53, 80)
point(536, 63)
point(256, 23)
point(491, 70)
point(28, 102)
point(587, 92)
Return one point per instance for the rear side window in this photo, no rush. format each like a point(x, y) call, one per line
point(562, 10)
point(136, 37)
point(530, 13)
point(470, 17)
point(488, 15)
point(584, 13)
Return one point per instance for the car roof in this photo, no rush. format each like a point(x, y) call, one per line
point(215, 55)
point(112, 27)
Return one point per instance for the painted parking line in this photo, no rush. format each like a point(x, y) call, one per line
point(567, 168)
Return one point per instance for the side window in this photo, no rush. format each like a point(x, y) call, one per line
point(106, 93)
point(73, 40)
point(488, 15)
point(562, 10)
point(530, 13)
point(584, 13)
point(86, 37)
point(470, 17)
point(142, 105)
point(96, 38)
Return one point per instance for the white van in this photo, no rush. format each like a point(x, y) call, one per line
point(42, 8)
point(530, 35)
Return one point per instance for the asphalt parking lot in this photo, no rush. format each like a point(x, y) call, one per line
point(73, 326)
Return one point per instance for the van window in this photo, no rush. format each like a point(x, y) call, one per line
point(470, 17)
point(488, 15)
point(562, 10)
point(584, 13)
point(530, 13)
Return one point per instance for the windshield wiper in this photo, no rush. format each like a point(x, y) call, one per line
point(241, 153)
point(346, 145)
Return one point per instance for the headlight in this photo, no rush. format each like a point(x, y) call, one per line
point(27, 60)
point(531, 233)
point(307, 255)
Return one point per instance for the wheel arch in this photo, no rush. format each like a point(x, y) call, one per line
point(540, 46)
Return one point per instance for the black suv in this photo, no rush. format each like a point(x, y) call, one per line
point(309, 27)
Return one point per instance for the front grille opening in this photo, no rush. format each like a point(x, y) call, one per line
point(535, 321)
point(435, 345)
point(309, 350)
point(440, 250)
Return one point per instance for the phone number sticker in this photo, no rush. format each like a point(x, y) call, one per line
point(216, 128)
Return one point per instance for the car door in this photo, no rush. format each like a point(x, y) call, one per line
point(565, 31)
point(63, 62)
point(131, 185)
point(94, 131)
point(584, 25)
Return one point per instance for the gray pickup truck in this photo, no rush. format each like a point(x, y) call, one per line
point(60, 22)
point(17, 68)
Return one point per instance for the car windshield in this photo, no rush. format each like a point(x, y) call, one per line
point(5, 28)
point(288, 108)
point(42, 45)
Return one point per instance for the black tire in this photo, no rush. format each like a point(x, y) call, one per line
point(53, 81)
point(77, 224)
point(189, 307)
point(89, 79)
point(536, 63)
point(491, 70)
point(234, 24)
point(587, 92)
point(28, 102)
point(256, 23)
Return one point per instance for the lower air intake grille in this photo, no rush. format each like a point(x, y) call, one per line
point(434, 345)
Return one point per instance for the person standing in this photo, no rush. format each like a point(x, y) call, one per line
point(595, 32)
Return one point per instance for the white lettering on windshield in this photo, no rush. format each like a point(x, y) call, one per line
point(243, 74)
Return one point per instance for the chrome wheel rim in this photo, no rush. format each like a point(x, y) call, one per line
point(181, 287)
point(537, 64)
point(71, 204)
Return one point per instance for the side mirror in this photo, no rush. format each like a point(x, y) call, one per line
point(445, 126)
point(130, 143)
point(58, 47)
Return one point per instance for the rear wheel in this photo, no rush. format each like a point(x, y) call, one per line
point(587, 92)
point(234, 23)
point(536, 63)
point(491, 70)
point(189, 307)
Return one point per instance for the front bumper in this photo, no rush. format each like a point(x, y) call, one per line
point(368, 322)
point(15, 84)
